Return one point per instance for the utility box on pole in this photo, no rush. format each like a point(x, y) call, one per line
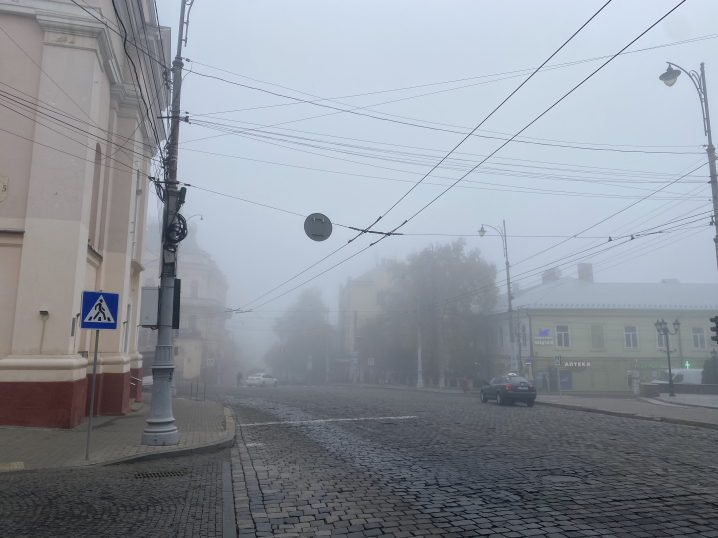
point(150, 302)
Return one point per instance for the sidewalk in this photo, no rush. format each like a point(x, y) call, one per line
point(692, 400)
point(203, 425)
point(638, 408)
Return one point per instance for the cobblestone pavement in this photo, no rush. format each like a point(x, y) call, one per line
point(462, 468)
point(117, 500)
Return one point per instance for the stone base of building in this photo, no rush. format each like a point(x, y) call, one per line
point(112, 385)
point(136, 377)
point(42, 391)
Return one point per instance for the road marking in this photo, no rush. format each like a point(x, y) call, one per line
point(12, 466)
point(324, 420)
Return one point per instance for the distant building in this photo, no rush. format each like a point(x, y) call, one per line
point(204, 350)
point(75, 155)
point(361, 299)
point(601, 336)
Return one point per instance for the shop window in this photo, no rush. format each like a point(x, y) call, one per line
point(661, 340)
point(631, 336)
point(562, 336)
point(597, 341)
point(699, 338)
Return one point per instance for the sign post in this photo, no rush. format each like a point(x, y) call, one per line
point(99, 312)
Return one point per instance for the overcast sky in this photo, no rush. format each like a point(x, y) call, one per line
point(466, 56)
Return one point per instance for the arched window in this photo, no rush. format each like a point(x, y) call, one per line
point(193, 289)
point(95, 206)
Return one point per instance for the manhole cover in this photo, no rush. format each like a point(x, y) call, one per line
point(162, 474)
point(558, 478)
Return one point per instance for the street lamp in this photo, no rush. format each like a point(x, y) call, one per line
point(502, 233)
point(201, 217)
point(669, 78)
point(662, 328)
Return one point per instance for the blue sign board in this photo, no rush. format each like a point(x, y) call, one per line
point(99, 310)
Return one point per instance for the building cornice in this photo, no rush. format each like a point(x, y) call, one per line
point(62, 18)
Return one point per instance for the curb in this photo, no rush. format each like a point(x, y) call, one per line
point(669, 420)
point(214, 446)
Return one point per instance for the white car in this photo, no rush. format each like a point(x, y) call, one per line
point(261, 380)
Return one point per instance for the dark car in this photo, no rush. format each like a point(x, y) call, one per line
point(507, 389)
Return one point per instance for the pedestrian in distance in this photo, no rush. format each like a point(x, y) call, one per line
point(465, 385)
point(544, 383)
point(239, 379)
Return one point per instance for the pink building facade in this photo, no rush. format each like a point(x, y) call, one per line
point(76, 150)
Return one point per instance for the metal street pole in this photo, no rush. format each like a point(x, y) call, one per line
point(502, 233)
point(92, 395)
point(419, 373)
point(670, 372)
point(161, 429)
point(699, 81)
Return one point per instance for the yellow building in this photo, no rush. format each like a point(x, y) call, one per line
point(601, 336)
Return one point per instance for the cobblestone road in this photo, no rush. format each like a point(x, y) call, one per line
point(117, 500)
point(463, 468)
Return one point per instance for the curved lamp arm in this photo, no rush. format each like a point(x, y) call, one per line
point(698, 82)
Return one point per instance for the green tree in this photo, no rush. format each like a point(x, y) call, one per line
point(304, 337)
point(709, 375)
point(454, 290)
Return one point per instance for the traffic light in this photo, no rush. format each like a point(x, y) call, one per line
point(714, 329)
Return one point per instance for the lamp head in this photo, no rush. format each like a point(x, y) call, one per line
point(670, 76)
point(482, 232)
point(661, 326)
point(676, 325)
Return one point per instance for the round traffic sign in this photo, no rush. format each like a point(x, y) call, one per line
point(318, 227)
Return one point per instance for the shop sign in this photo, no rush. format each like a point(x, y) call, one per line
point(543, 341)
point(578, 364)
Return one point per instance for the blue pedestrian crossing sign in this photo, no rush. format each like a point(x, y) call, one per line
point(99, 310)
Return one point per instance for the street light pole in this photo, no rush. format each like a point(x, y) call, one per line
point(502, 232)
point(161, 429)
point(699, 81)
point(662, 328)
point(419, 373)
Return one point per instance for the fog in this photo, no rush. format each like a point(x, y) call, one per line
point(637, 135)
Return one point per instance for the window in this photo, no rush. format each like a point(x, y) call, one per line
point(661, 340)
point(501, 337)
point(524, 339)
point(562, 338)
point(699, 338)
point(597, 337)
point(631, 334)
point(193, 323)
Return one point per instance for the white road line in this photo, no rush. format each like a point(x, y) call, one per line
point(323, 420)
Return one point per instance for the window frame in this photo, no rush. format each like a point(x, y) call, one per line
point(603, 337)
point(660, 340)
point(701, 337)
point(565, 340)
point(633, 333)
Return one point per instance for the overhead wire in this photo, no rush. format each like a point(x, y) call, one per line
point(436, 198)
point(522, 72)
